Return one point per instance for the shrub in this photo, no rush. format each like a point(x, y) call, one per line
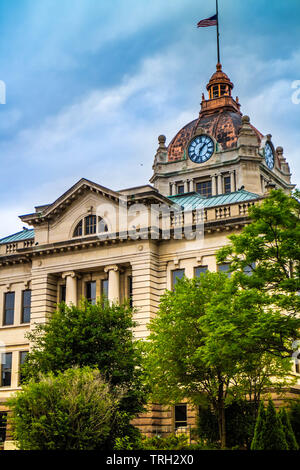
point(294, 415)
point(71, 411)
point(288, 430)
point(240, 422)
point(269, 433)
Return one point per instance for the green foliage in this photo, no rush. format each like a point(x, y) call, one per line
point(171, 442)
point(207, 425)
point(258, 439)
point(269, 432)
point(212, 338)
point(288, 430)
point(294, 415)
point(270, 244)
point(73, 410)
point(99, 336)
point(240, 422)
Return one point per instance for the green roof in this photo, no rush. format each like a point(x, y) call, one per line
point(195, 200)
point(20, 236)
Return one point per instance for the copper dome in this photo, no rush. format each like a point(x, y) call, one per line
point(219, 117)
point(223, 126)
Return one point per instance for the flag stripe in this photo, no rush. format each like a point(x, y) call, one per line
point(212, 21)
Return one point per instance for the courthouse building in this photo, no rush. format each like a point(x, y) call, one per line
point(219, 163)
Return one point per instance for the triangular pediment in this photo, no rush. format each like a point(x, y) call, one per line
point(78, 191)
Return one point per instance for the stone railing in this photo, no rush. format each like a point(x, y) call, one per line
point(11, 248)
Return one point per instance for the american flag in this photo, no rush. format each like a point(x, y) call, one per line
point(212, 21)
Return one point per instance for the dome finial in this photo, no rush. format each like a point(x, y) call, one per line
point(219, 84)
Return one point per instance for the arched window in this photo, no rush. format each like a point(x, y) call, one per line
point(78, 230)
point(89, 226)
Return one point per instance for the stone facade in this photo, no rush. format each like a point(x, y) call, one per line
point(67, 251)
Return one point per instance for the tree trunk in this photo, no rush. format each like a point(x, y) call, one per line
point(221, 416)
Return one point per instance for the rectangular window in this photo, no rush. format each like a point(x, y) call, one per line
point(200, 270)
point(180, 416)
point(9, 308)
point(227, 184)
point(224, 268)
point(91, 292)
point(22, 358)
point(104, 288)
point(224, 90)
point(177, 274)
point(204, 188)
point(62, 293)
point(90, 224)
point(248, 269)
point(6, 369)
point(26, 306)
point(130, 291)
point(180, 189)
point(215, 91)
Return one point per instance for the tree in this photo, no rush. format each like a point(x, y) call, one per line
point(259, 431)
point(288, 430)
point(240, 422)
point(294, 415)
point(273, 433)
point(205, 337)
point(99, 336)
point(269, 249)
point(72, 410)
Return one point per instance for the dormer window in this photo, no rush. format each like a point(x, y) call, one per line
point(88, 226)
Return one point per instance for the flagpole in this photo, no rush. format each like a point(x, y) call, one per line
point(218, 33)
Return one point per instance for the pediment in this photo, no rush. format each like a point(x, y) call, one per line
point(77, 192)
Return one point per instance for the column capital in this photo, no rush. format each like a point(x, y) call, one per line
point(111, 267)
point(72, 274)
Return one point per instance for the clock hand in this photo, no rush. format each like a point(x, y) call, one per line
point(202, 148)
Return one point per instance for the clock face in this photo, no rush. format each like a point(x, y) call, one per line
point(269, 156)
point(201, 149)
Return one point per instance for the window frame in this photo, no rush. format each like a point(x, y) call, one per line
point(228, 273)
point(3, 369)
point(180, 189)
point(90, 299)
point(174, 278)
point(6, 309)
point(182, 423)
point(90, 225)
point(21, 363)
point(204, 267)
point(208, 189)
point(25, 307)
point(227, 184)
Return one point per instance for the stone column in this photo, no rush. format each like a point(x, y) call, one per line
point(186, 186)
point(214, 180)
point(220, 184)
point(232, 181)
point(71, 287)
point(113, 282)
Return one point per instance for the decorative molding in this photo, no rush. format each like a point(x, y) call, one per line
point(112, 267)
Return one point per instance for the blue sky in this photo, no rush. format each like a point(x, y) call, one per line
point(92, 83)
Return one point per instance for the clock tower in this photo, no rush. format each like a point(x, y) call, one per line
point(220, 152)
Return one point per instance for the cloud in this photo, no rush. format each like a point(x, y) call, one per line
point(108, 133)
